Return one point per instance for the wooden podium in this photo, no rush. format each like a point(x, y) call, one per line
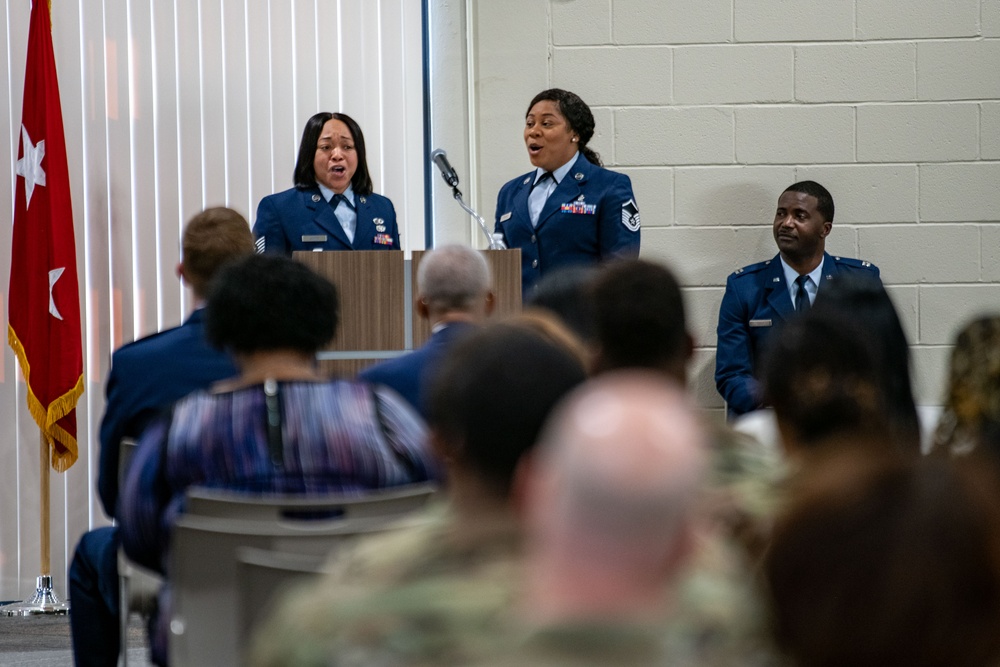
point(378, 318)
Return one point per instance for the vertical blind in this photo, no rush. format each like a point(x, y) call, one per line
point(171, 106)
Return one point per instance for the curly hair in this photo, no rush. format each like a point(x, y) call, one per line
point(271, 302)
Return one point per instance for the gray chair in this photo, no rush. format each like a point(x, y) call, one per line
point(137, 586)
point(205, 614)
point(262, 576)
point(226, 504)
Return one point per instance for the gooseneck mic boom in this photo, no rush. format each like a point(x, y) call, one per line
point(440, 158)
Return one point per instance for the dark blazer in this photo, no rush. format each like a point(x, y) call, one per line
point(410, 375)
point(147, 376)
point(302, 220)
point(756, 303)
point(589, 217)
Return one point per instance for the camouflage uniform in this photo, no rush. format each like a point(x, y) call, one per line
point(433, 594)
point(442, 593)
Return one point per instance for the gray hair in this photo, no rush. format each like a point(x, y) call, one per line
point(453, 277)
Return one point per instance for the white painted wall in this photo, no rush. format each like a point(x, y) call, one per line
point(714, 107)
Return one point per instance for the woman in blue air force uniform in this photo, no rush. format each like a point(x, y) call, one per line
point(332, 206)
point(569, 209)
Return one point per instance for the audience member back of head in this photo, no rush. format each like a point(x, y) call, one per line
point(862, 305)
point(493, 395)
point(565, 292)
point(889, 561)
point(639, 318)
point(825, 386)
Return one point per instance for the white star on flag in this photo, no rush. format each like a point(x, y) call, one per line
point(30, 166)
point(54, 275)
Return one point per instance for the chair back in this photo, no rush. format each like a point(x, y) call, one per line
point(225, 504)
point(205, 614)
point(262, 576)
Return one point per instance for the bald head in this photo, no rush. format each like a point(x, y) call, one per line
point(453, 278)
point(616, 476)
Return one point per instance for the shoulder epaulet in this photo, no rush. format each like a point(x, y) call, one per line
point(752, 268)
point(857, 263)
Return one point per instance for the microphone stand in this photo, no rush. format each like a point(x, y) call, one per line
point(495, 243)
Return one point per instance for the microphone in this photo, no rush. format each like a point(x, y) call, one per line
point(440, 158)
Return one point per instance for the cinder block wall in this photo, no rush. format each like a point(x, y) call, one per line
point(713, 107)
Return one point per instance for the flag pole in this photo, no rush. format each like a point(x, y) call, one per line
point(44, 600)
point(43, 486)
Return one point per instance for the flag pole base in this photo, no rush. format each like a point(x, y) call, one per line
point(44, 601)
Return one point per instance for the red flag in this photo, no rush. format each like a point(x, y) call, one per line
point(44, 325)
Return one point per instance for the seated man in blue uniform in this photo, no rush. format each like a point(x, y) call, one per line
point(147, 376)
point(760, 297)
point(454, 296)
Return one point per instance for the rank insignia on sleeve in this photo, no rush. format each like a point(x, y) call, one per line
point(630, 215)
point(259, 245)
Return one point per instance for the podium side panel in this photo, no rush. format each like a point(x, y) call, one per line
point(370, 284)
point(505, 265)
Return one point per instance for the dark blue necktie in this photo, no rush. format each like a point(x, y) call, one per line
point(802, 297)
point(336, 199)
point(544, 177)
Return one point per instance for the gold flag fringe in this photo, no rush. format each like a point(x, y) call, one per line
point(63, 444)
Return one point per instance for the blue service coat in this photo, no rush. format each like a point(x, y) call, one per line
point(302, 220)
point(756, 303)
point(411, 374)
point(589, 217)
point(146, 377)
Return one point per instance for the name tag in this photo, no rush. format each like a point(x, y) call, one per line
point(314, 238)
point(505, 217)
point(579, 208)
point(760, 323)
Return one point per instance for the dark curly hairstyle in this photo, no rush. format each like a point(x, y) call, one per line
point(305, 174)
point(577, 114)
point(271, 302)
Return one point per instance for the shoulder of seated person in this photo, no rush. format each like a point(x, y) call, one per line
point(751, 268)
point(855, 263)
